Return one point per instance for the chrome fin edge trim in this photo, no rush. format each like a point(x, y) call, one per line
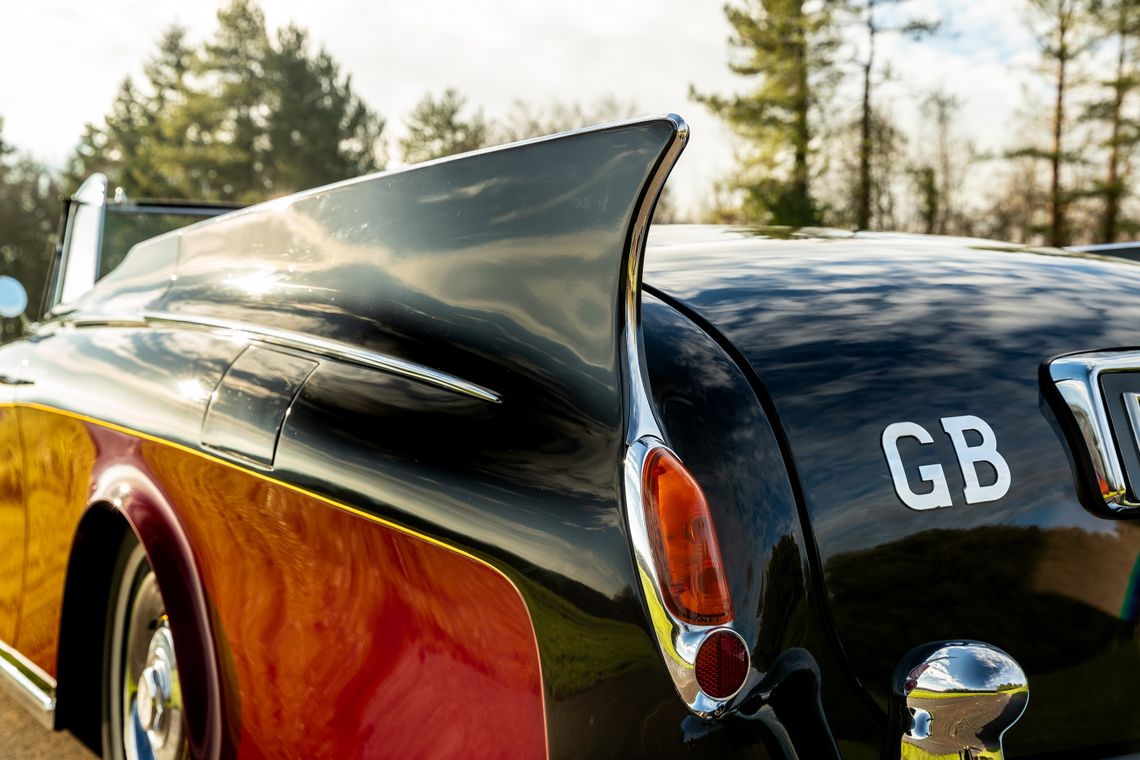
point(677, 640)
point(30, 685)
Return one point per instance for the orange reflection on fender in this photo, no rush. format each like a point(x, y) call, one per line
point(351, 638)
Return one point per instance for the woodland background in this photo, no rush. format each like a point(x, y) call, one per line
point(253, 112)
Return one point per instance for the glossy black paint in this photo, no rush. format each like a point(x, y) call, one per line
point(766, 357)
point(849, 334)
point(507, 270)
point(713, 418)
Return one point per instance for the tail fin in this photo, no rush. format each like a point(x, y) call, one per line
point(494, 266)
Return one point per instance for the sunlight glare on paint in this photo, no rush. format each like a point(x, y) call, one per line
point(193, 390)
point(258, 283)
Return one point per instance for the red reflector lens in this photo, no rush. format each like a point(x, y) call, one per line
point(722, 665)
point(684, 544)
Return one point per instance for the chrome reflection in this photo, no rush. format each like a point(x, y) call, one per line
point(678, 641)
point(331, 349)
point(153, 728)
point(26, 682)
point(1077, 379)
point(956, 699)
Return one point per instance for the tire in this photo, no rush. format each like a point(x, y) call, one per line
point(142, 707)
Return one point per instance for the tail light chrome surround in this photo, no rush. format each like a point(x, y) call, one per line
point(678, 640)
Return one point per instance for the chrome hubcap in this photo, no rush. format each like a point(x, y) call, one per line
point(155, 687)
point(152, 699)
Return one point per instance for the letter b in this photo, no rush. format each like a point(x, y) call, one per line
point(969, 456)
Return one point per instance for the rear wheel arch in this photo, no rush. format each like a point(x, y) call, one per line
point(140, 508)
point(87, 590)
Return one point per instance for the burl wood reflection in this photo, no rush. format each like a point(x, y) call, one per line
point(341, 636)
point(57, 483)
point(350, 638)
point(11, 522)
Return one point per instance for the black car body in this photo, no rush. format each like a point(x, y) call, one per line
point(915, 453)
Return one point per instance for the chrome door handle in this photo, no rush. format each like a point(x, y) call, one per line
point(11, 380)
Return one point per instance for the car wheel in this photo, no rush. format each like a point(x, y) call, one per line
point(142, 699)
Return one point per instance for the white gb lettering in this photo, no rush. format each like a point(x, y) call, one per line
point(968, 458)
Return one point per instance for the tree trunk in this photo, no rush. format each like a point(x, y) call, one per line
point(800, 174)
point(1112, 187)
point(945, 168)
point(1056, 203)
point(863, 211)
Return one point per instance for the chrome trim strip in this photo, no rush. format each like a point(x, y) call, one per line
point(331, 349)
point(678, 641)
point(34, 688)
point(1077, 379)
point(641, 420)
point(102, 320)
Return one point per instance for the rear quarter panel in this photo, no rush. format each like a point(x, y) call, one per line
point(851, 335)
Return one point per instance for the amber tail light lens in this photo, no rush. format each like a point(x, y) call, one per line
point(683, 540)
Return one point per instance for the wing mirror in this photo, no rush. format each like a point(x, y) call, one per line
point(955, 699)
point(13, 297)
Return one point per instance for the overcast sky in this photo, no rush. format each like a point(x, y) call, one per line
point(63, 60)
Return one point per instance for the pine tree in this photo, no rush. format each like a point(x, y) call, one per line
point(29, 208)
point(436, 129)
point(319, 131)
point(245, 117)
point(1119, 21)
point(140, 143)
point(1063, 36)
point(786, 48)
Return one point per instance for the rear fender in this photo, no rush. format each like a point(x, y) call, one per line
point(154, 521)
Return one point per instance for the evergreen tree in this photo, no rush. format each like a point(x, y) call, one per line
point(245, 117)
point(320, 130)
point(526, 120)
point(29, 209)
point(1119, 21)
point(141, 144)
point(436, 129)
point(1062, 30)
point(786, 48)
point(233, 103)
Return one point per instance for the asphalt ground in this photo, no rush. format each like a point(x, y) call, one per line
point(22, 738)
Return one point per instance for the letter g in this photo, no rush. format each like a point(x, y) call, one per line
point(939, 496)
